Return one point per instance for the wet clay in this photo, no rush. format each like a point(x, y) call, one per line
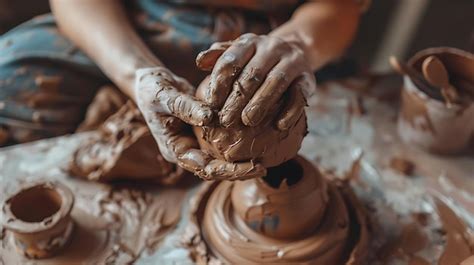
point(277, 204)
point(111, 225)
point(458, 246)
point(263, 143)
point(252, 233)
point(123, 148)
point(410, 240)
point(106, 102)
point(402, 165)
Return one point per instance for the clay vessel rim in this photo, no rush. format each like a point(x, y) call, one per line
point(11, 222)
point(438, 51)
point(438, 104)
point(312, 179)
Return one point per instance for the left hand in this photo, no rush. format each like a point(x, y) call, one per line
point(169, 107)
point(251, 74)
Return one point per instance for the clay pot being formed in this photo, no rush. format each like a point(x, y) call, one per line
point(426, 121)
point(294, 215)
point(39, 218)
point(263, 143)
point(285, 204)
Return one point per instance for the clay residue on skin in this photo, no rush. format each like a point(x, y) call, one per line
point(122, 148)
point(217, 234)
point(112, 226)
point(263, 143)
point(458, 246)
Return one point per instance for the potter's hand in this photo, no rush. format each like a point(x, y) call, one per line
point(167, 105)
point(251, 74)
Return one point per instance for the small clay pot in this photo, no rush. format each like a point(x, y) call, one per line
point(287, 204)
point(39, 218)
point(426, 121)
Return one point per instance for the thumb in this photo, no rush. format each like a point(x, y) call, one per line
point(208, 58)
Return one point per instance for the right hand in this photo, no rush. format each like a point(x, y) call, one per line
point(169, 107)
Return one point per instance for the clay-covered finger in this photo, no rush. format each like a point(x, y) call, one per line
point(227, 69)
point(208, 58)
point(159, 91)
point(222, 170)
point(244, 87)
point(170, 135)
point(272, 89)
point(307, 83)
point(183, 106)
point(194, 160)
point(294, 107)
point(207, 168)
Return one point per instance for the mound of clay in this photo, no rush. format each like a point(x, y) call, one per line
point(123, 148)
point(264, 143)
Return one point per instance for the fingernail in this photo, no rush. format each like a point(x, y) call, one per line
point(256, 171)
point(204, 116)
point(282, 125)
point(192, 160)
point(253, 115)
point(226, 118)
point(212, 97)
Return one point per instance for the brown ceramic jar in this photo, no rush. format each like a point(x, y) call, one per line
point(428, 122)
point(39, 217)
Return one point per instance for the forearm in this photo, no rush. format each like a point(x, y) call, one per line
point(323, 29)
point(103, 31)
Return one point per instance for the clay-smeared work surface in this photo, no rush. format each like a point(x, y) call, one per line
point(418, 218)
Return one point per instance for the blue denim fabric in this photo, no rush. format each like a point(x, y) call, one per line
point(46, 82)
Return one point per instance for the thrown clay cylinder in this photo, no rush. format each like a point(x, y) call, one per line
point(264, 143)
point(286, 204)
point(280, 220)
point(39, 218)
point(428, 122)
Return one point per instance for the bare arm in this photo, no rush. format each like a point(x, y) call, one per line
point(252, 73)
point(323, 29)
point(103, 31)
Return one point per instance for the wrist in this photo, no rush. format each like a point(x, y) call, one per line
point(298, 43)
point(143, 74)
point(124, 74)
point(293, 39)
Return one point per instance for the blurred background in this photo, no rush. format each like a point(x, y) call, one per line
point(390, 27)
